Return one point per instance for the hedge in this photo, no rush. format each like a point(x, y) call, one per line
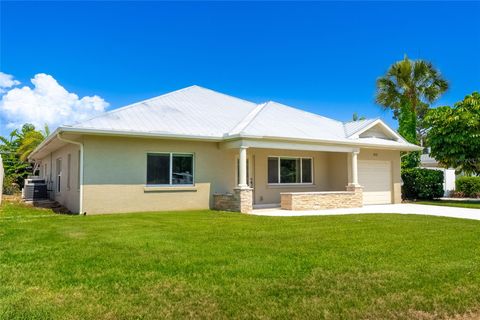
point(468, 186)
point(422, 183)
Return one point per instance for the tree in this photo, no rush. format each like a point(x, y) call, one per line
point(408, 88)
point(30, 140)
point(15, 169)
point(16, 148)
point(454, 135)
point(355, 117)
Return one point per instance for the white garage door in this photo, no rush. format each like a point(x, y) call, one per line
point(376, 179)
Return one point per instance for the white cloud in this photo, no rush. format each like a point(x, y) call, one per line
point(6, 81)
point(46, 103)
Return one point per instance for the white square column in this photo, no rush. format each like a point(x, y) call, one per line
point(354, 168)
point(242, 178)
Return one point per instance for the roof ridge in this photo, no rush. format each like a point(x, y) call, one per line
point(248, 119)
point(133, 105)
point(309, 112)
point(224, 94)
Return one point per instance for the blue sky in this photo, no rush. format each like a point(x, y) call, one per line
point(323, 57)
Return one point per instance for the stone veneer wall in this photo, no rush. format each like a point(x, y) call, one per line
point(352, 198)
point(241, 200)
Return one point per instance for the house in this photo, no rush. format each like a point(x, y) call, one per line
point(197, 149)
point(449, 175)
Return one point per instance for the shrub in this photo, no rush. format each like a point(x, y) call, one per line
point(10, 187)
point(469, 186)
point(422, 183)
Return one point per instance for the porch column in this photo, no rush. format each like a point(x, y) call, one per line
point(242, 179)
point(355, 168)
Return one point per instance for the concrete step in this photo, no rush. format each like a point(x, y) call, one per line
point(48, 204)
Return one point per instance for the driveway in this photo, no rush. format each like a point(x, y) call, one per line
point(441, 211)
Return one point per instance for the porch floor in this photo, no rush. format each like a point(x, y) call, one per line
point(404, 208)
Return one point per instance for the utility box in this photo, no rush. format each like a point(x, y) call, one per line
point(35, 189)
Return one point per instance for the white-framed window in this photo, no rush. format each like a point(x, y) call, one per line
point(166, 169)
point(58, 167)
point(290, 170)
point(69, 167)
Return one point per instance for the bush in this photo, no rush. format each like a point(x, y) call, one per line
point(469, 186)
point(10, 186)
point(422, 183)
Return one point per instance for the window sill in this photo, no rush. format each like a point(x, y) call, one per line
point(170, 189)
point(291, 185)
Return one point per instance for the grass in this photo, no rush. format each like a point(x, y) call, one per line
point(207, 264)
point(452, 203)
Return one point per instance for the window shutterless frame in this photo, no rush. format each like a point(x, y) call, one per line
point(170, 154)
point(69, 167)
point(59, 174)
point(279, 183)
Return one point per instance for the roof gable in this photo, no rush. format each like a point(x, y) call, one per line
point(372, 128)
point(352, 127)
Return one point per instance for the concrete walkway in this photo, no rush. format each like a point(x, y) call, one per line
point(442, 211)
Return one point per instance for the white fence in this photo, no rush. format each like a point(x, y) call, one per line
point(1, 178)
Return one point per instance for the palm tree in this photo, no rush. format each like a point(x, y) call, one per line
point(408, 89)
point(30, 139)
point(16, 149)
point(355, 117)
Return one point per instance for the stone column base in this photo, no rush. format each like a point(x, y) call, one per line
point(244, 197)
point(241, 200)
point(358, 190)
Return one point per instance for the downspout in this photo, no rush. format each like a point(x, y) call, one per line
point(81, 169)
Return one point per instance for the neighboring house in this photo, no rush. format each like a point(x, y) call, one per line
point(449, 175)
point(197, 149)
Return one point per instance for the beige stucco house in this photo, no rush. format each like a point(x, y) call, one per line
point(198, 149)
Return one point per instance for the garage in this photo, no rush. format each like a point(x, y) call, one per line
point(376, 178)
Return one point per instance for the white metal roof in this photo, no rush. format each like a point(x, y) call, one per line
point(199, 113)
point(278, 120)
point(192, 111)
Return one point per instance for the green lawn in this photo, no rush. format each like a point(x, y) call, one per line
point(210, 264)
point(453, 203)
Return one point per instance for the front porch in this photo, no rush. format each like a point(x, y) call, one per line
point(302, 177)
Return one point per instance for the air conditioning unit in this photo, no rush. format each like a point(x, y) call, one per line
point(35, 189)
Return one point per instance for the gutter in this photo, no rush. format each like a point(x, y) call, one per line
point(81, 169)
point(44, 143)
